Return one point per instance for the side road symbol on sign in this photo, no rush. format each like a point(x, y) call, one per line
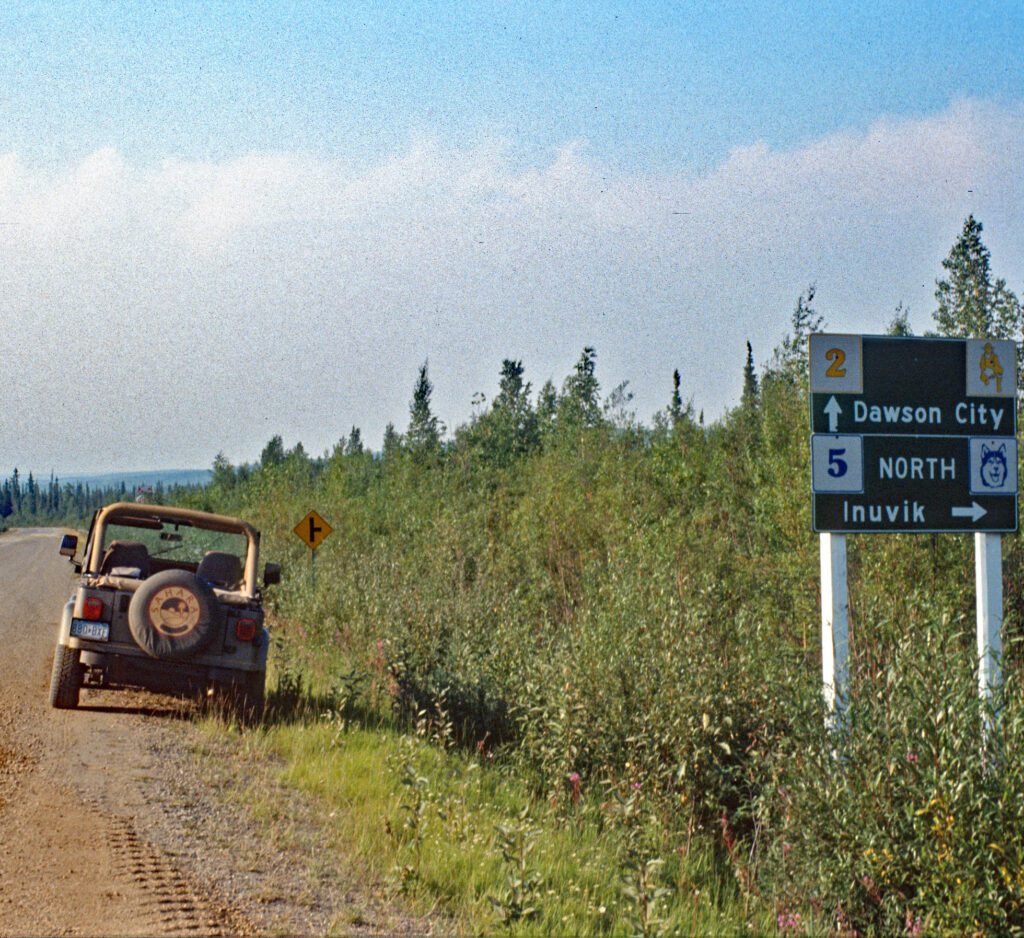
point(312, 530)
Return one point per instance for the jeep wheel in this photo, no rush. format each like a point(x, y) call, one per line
point(174, 615)
point(66, 679)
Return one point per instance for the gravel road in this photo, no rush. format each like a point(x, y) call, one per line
point(110, 824)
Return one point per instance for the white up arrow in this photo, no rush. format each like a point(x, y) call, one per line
point(974, 512)
point(833, 410)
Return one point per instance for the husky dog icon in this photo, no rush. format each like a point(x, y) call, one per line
point(993, 466)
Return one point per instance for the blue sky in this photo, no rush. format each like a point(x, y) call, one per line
point(276, 212)
point(648, 85)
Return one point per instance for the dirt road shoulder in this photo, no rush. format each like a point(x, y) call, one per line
point(124, 817)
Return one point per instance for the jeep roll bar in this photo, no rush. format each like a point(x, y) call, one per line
point(152, 516)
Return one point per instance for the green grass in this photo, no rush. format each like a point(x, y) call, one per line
point(429, 822)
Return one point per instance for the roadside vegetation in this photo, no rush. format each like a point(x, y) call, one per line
point(559, 671)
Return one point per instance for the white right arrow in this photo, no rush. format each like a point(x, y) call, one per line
point(833, 410)
point(974, 512)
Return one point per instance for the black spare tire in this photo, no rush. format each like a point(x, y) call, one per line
point(174, 615)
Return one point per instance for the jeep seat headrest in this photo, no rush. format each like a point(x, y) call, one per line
point(126, 554)
point(220, 569)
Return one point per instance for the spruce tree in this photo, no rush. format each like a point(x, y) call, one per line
point(969, 303)
point(354, 443)
point(675, 409)
point(424, 434)
point(751, 390)
point(676, 414)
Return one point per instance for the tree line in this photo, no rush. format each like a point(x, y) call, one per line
point(28, 502)
point(970, 302)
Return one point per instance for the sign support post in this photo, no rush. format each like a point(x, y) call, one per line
point(988, 578)
point(835, 626)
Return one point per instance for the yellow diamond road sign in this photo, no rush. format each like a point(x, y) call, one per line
point(313, 530)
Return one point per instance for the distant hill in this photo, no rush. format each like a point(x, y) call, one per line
point(168, 477)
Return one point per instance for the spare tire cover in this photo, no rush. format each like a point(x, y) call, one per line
point(174, 615)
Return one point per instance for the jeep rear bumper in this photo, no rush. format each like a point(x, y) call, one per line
point(152, 674)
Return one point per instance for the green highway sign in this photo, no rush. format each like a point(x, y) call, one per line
point(907, 483)
point(913, 435)
point(932, 387)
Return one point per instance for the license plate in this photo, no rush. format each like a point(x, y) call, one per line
point(97, 631)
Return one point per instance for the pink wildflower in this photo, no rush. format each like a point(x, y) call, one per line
point(912, 758)
point(787, 920)
point(574, 782)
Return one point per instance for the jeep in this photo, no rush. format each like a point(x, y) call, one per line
point(167, 601)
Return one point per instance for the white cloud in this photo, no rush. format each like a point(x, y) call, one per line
point(182, 308)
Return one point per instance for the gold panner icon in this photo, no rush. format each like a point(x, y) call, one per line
point(990, 367)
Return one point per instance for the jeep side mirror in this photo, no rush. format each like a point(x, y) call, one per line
point(271, 574)
point(68, 546)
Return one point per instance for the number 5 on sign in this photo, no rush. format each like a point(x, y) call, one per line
point(836, 364)
point(837, 466)
point(837, 463)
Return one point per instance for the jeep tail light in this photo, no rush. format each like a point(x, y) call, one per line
point(92, 608)
point(245, 630)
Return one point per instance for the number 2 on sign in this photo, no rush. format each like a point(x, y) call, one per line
point(836, 370)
